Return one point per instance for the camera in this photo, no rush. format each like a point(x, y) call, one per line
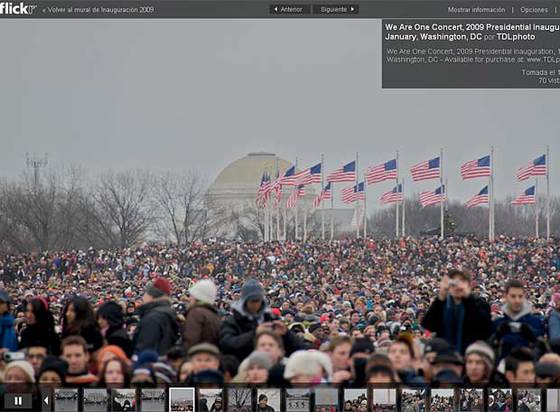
point(13, 356)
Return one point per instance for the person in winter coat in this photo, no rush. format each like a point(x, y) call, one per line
point(78, 319)
point(252, 315)
point(110, 318)
point(202, 322)
point(8, 339)
point(456, 315)
point(40, 327)
point(157, 329)
point(518, 327)
point(554, 318)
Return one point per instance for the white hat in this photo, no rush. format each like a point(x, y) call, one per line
point(307, 363)
point(205, 291)
point(24, 366)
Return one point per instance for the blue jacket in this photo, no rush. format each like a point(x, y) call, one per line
point(554, 325)
point(514, 339)
point(8, 338)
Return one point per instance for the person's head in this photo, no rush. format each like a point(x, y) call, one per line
point(252, 296)
point(176, 356)
point(115, 372)
point(77, 314)
point(401, 352)
point(515, 295)
point(74, 351)
point(37, 313)
point(479, 362)
point(204, 356)
point(184, 370)
point(459, 283)
point(53, 371)
point(19, 372)
point(204, 291)
point(339, 351)
point(263, 400)
point(4, 302)
point(157, 290)
point(271, 343)
point(230, 367)
point(257, 366)
point(307, 367)
point(520, 367)
point(35, 356)
point(110, 315)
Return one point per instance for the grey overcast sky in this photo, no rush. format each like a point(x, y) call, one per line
point(184, 94)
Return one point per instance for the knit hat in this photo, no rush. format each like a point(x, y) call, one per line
point(205, 291)
point(547, 370)
point(307, 363)
point(146, 357)
point(252, 289)
point(158, 288)
point(259, 358)
point(56, 365)
point(115, 350)
point(484, 350)
point(164, 373)
point(23, 366)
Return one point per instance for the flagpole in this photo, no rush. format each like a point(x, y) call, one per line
point(296, 206)
point(536, 208)
point(321, 194)
point(332, 210)
point(365, 208)
point(397, 203)
point(284, 222)
point(442, 230)
point(403, 210)
point(278, 196)
point(356, 204)
point(547, 159)
point(304, 223)
point(491, 228)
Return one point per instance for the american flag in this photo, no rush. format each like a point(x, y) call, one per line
point(311, 175)
point(276, 189)
point(433, 197)
point(428, 169)
point(479, 199)
point(353, 193)
point(264, 190)
point(395, 195)
point(527, 198)
point(293, 198)
point(289, 177)
point(476, 168)
point(536, 168)
point(326, 194)
point(346, 173)
point(379, 173)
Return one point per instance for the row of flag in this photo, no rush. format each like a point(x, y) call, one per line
point(426, 170)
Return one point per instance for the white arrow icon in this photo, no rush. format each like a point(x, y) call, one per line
point(46, 400)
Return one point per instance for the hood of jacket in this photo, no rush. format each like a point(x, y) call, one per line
point(526, 309)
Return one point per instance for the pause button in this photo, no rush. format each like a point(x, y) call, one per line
point(17, 401)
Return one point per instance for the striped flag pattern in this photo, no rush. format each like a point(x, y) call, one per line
point(264, 190)
point(528, 197)
point(289, 177)
point(479, 199)
point(346, 173)
point(537, 167)
point(395, 195)
point(433, 197)
point(353, 193)
point(476, 168)
point(379, 173)
point(428, 169)
point(293, 198)
point(326, 194)
point(312, 175)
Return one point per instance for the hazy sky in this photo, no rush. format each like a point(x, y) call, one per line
point(198, 94)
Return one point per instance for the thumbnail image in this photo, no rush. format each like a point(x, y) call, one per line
point(269, 400)
point(384, 400)
point(471, 400)
point(297, 400)
point(66, 400)
point(326, 400)
point(500, 400)
point(123, 400)
point(239, 400)
point(210, 400)
point(152, 400)
point(355, 400)
point(95, 400)
point(413, 400)
point(528, 400)
point(181, 399)
point(442, 400)
point(552, 400)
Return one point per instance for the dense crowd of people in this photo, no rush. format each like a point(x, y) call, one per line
point(413, 311)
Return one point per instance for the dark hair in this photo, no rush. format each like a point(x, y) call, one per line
point(85, 316)
point(383, 370)
point(124, 368)
point(514, 284)
point(229, 364)
point(516, 357)
point(465, 274)
point(73, 340)
point(273, 335)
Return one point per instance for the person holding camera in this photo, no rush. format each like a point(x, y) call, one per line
point(8, 338)
point(250, 316)
point(456, 315)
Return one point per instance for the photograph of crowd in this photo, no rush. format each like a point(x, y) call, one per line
point(298, 400)
point(153, 399)
point(384, 400)
point(210, 400)
point(95, 400)
point(326, 399)
point(471, 400)
point(269, 400)
point(529, 400)
point(413, 400)
point(442, 400)
point(181, 399)
point(123, 400)
point(355, 400)
point(500, 400)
